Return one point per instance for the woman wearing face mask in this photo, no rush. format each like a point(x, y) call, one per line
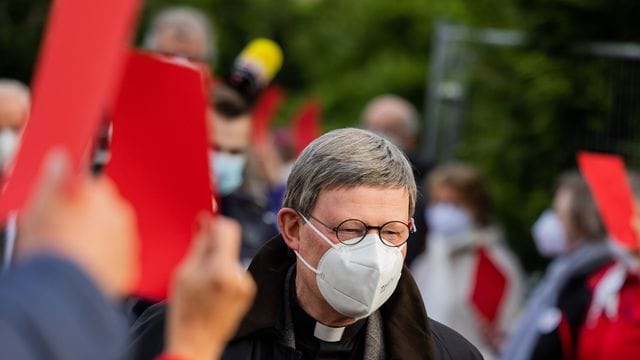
point(468, 277)
point(573, 234)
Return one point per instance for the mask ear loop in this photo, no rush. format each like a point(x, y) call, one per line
point(315, 229)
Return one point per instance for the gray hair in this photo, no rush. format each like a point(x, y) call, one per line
point(347, 158)
point(15, 87)
point(584, 215)
point(184, 20)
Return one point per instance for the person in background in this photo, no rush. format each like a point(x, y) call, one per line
point(243, 188)
point(333, 285)
point(14, 111)
point(15, 104)
point(572, 233)
point(448, 274)
point(78, 257)
point(397, 120)
point(611, 329)
point(181, 31)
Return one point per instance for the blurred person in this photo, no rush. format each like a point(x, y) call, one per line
point(243, 188)
point(460, 228)
point(58, 302)
point(397, 120)
point(611, 329)
point(14, 111)
point(333, 284)
point(181, 31)
point(573, 233)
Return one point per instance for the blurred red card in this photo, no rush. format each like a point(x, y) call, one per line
point(307, 124)
point(263, 112)
point(489, 287)
point(78, 69)
point(607, 179)
point(159, 161)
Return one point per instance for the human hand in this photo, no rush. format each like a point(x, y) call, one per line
point(210, 292)
point(85, 221)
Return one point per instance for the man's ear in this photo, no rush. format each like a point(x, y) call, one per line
point(289, 223)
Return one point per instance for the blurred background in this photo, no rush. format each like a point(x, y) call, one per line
point(515, 87)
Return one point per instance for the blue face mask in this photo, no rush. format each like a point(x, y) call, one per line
point(227, 170)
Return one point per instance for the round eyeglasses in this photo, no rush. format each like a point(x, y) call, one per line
point(352, 231)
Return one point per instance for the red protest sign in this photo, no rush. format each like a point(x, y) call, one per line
point(607, 179)
point(263, 112)
point(307, 124)
point(159, 161)
point(78, 69)
point(489, 287)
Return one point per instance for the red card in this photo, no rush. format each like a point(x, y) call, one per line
point(263, 112)
point(306, 126)
point(79, 67)
point(489, 287)
point(159, 161)
point(607, 179)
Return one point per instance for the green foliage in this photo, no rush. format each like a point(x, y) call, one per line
point(529, 109)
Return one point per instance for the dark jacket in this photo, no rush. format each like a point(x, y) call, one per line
point(407, 332)
point(50, 310)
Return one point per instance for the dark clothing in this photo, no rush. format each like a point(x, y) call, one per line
point(350, 347)
point(258, 224)
point(50, 310)
point(573, 303)
point(266, 331)
point(418, 241)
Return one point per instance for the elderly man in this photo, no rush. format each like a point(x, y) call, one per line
point(333, 284)
point(14, 110)
point(396, 119)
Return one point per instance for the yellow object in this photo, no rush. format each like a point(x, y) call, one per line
point(266, 53)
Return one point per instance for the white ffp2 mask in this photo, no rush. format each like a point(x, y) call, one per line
point(357, 279)
point(549, 235)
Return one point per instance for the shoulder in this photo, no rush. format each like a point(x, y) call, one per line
point(448, 344)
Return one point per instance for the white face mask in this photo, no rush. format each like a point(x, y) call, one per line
point(8, 144)
point(447, 219)
point(357, 279)
point(227, 170)
point(549, 235)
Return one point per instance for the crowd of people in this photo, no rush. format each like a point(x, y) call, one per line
point(357, 248)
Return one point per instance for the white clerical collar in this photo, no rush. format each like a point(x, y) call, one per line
point(327, 333)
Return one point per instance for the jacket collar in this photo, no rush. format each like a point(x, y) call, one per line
point(406, 328)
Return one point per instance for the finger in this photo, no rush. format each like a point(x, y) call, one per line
point(201, 243)
point(53, 175)
point(226, 234)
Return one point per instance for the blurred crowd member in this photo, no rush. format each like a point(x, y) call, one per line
point(78, 258)
point(460, 232)
point(244, 192)
point(611, 329)
point(15, 105)
point(573, 233)
point(396, 119)
point(182, 31)
point(14, 111)
point(333, 285)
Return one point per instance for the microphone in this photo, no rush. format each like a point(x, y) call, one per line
point(255, 67)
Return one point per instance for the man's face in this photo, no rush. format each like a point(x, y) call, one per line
point(373, 205)
point(440, 193)
point(231, 136)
